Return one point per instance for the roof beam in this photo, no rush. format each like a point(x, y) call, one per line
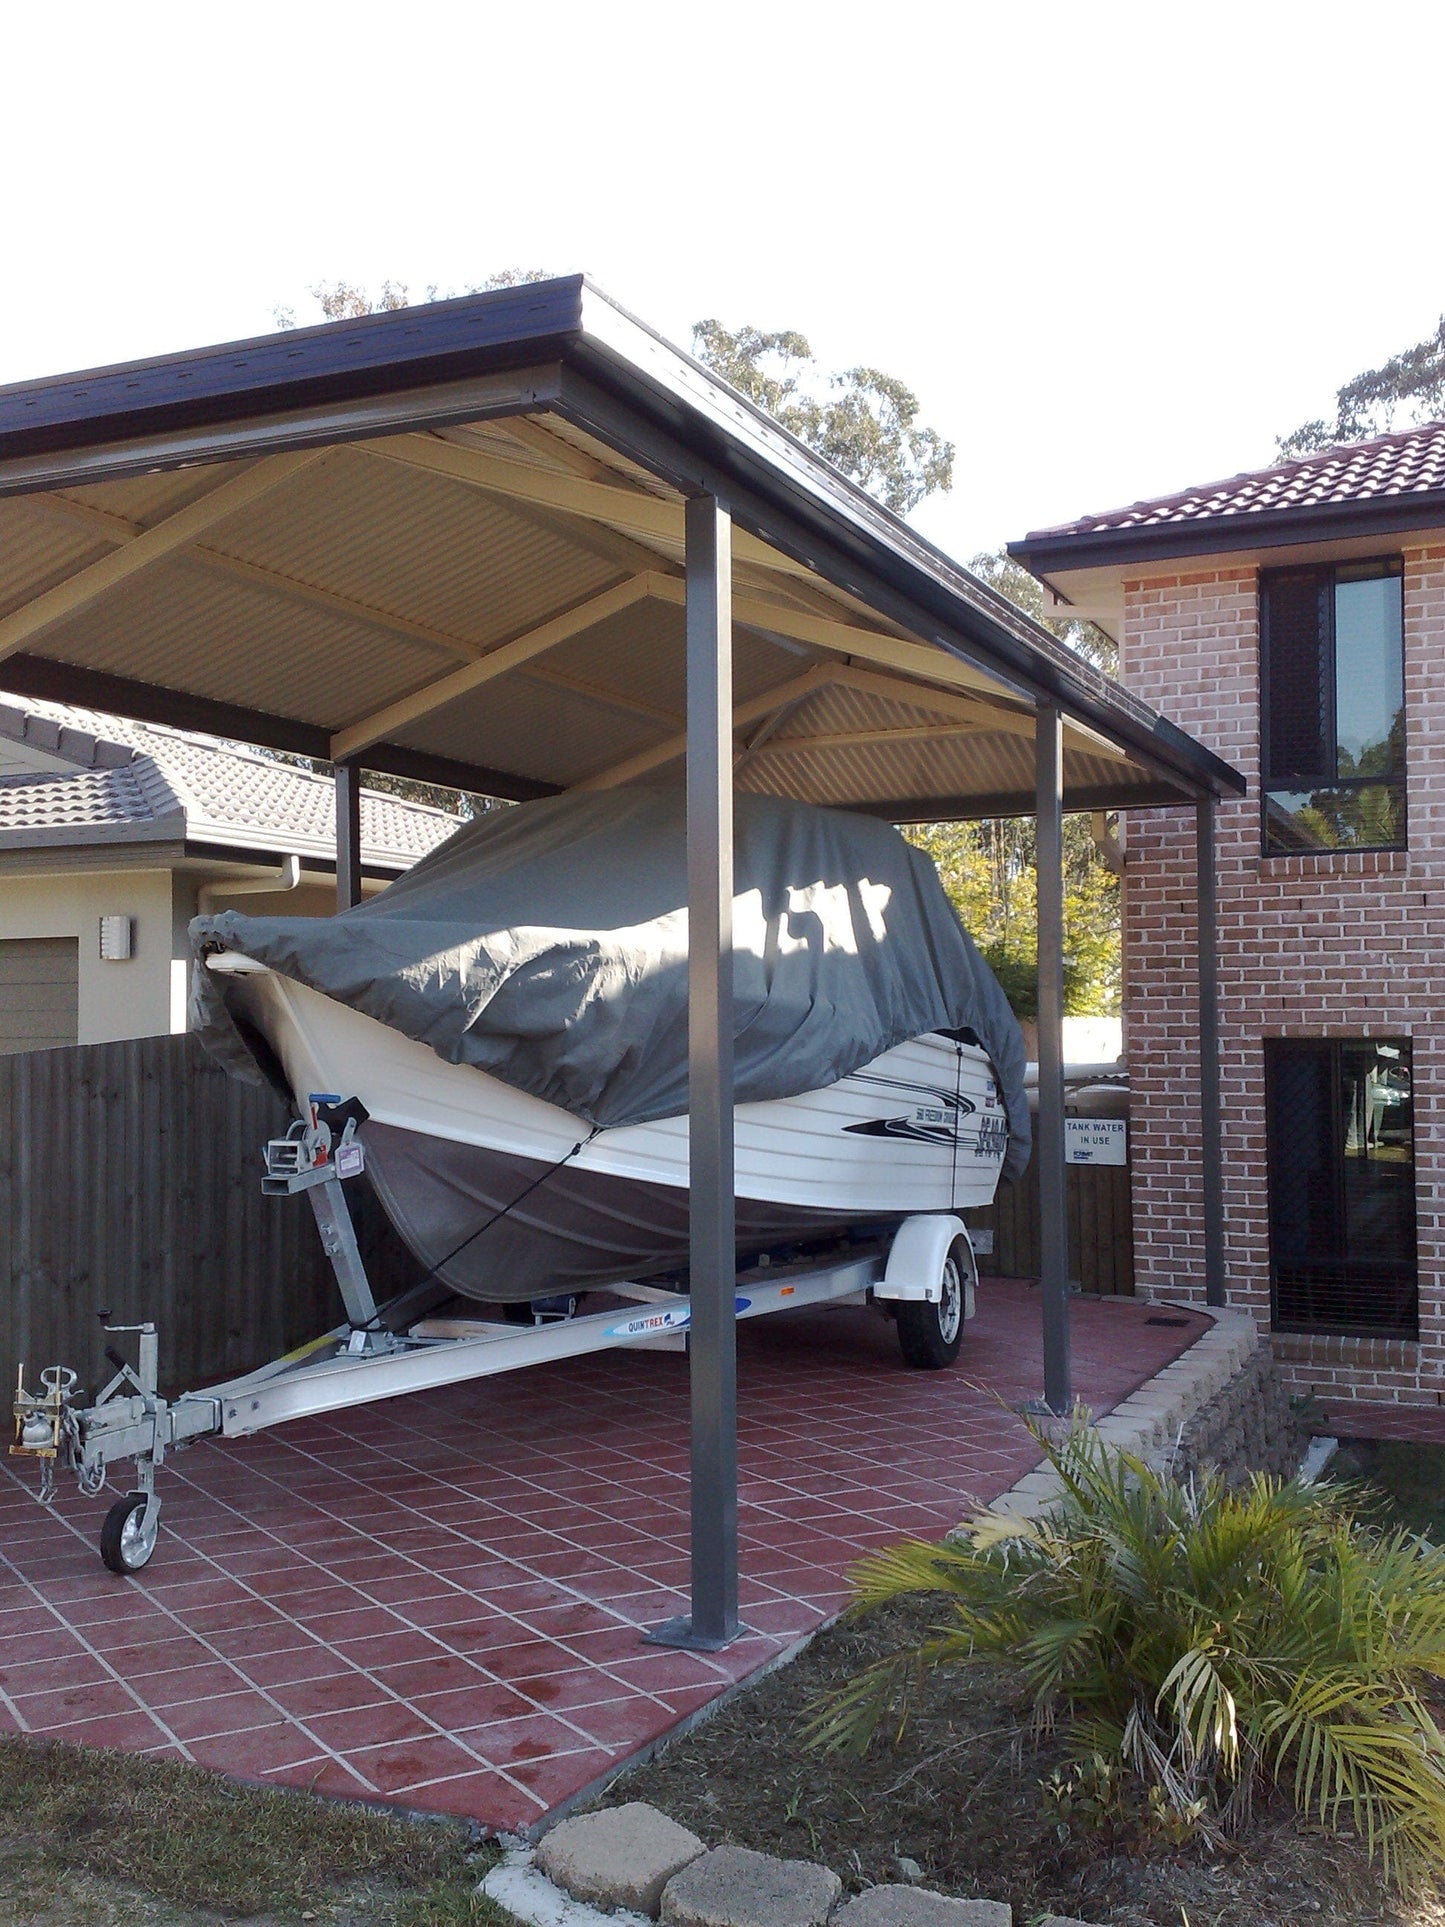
point(360, 735)
point(78, 592)
point(915, 659)
point(1002, 714)
point(864, 738)
point(111, 527)
point(634, 511)
point(646, 760)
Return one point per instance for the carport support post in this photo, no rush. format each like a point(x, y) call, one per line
point(712, 1340)
point(1049, 1150)
point(348, 835)
point(1211, 1140)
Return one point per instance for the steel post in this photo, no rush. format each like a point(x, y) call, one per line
point(1049, 1146)
point(348, 835)
point(712, 1344)
point(1211, 1145)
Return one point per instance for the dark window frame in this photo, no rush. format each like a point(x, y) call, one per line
point(1327, 576)
point(1283, 1319)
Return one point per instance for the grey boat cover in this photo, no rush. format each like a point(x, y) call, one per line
point(547, 944)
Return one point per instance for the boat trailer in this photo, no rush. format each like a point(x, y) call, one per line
point(923, 1276)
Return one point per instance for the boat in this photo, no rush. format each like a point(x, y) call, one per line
point(506, 1197)
point(511, 1019)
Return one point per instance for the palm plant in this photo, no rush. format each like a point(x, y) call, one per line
point(1207, 1639)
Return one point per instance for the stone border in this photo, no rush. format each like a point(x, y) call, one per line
point(1152, 1420)
point(595, 1879)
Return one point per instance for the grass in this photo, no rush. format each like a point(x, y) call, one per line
point(90, 1837)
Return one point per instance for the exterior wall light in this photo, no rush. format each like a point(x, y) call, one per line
point(115, 939)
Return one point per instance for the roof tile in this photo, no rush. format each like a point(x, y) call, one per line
point(149, 780)
point(1410, 462)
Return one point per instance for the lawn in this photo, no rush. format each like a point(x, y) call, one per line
point(96, 1839)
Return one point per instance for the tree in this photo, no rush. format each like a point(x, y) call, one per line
point(863, 421)
point(989, 870)
point(1408, 388)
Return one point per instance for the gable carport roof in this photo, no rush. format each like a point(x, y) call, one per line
point(503, 542)
point(447, 542)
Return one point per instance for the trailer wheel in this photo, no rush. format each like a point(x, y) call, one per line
point(127, 1540)
point(930, 1335)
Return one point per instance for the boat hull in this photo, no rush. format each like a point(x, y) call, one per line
point(506, 1197)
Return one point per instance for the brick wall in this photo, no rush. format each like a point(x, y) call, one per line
point(1348, 946)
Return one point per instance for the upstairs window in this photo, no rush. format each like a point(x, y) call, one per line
point(1333, 683)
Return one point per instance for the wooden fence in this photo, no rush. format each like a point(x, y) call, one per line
point(1101, 1228)
point(130, 1178)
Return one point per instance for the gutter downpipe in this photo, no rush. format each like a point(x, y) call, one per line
point(288, 877)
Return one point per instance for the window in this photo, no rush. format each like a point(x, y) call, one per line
point(1342, 1186)
point(1333, 684)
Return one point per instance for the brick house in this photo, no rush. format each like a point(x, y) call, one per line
point(1294, 620)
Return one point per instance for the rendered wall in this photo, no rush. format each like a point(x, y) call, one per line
point(131, 999)
point(1347, 945)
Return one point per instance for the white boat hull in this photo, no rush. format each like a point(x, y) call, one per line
point(919, 1129)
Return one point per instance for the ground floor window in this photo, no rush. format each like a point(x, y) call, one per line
point(1342, 1186)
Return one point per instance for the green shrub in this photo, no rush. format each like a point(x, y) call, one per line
point(1207, 1640)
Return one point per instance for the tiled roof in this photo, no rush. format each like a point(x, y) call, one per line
point(1409, 463)
point(136, 782)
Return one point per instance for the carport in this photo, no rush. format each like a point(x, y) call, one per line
point(518, 543)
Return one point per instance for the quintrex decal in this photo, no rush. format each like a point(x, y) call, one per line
point(938, 1120)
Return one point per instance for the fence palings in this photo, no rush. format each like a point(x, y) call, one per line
point(130, 1178)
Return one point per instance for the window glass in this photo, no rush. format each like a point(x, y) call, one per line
point(1369, 678)
point(1342, 1186)
point(1334, 714)
point(1366, 816)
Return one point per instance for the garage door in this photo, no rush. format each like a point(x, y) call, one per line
point(39, 998)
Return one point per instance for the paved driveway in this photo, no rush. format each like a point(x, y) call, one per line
point(437, 1601)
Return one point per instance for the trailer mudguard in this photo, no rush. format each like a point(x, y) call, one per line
point(916, 1259)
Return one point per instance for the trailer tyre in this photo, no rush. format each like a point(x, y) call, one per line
point(127, 1540)
point(930, 1335)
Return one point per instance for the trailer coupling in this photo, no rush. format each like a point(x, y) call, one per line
point(127, 1420)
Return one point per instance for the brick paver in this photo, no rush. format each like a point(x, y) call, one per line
point(437, 1601)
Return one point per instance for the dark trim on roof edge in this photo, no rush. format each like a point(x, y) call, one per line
point(1079, 799)
point(293, 369)
point(656, 402)
point(1228, 534)
point(930, 596)
point(64, 682)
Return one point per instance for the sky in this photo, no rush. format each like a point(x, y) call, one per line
point(1114, 248)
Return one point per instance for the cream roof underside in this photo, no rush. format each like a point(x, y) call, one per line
point(505, 594)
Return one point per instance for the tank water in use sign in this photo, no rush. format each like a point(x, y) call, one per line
point(1096, 1140)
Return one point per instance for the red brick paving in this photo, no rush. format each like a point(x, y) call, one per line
point(437, 1601)
point(1412, 1424)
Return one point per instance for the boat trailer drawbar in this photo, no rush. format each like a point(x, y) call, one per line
point(925, 1271)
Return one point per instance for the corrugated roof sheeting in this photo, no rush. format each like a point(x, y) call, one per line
point(151, 498)
point(39, 550)
point(554, 734)
point(258, 649)
point(641, 653)
point(417, 546)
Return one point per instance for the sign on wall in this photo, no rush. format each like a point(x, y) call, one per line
point(1096, 1140)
